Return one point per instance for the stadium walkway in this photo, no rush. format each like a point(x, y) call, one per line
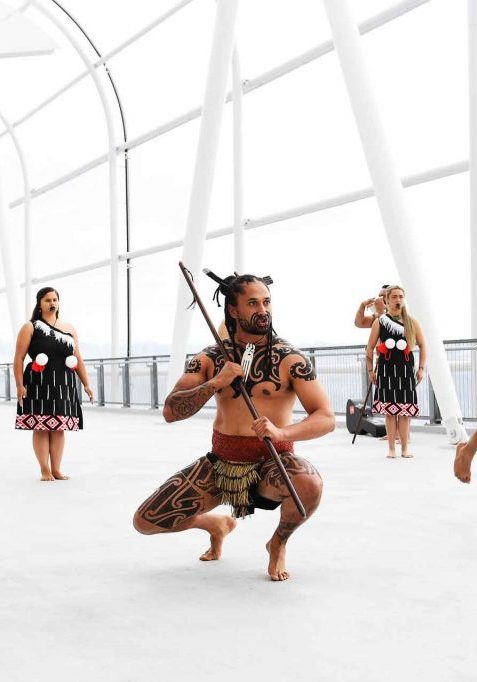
point(383, 585)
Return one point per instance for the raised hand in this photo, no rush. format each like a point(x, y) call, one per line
point(229, 372)
point(379, 305)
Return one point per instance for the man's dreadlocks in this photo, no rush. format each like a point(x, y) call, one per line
point(230, 288)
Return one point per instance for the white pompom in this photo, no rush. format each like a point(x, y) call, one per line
point(401, 344)
point(41, 359)
point(71, 361)
point(390, 343)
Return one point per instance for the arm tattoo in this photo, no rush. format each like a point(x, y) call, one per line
point(184, 404)
point(303, 369)
point(194, 365)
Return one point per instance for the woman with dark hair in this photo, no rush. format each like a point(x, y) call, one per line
point(394, 335)
point(47, 394)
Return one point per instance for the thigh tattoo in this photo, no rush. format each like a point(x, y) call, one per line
point(270, 473)
point(181, 497)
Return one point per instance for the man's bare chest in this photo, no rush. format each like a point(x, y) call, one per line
point(269, 375)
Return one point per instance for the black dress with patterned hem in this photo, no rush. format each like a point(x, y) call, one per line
point(395, 393)
point(51, 402)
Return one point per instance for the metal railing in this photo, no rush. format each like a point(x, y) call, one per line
point(142, 381)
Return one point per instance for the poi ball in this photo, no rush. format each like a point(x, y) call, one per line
point(41, 359)
point(401, 344)
point(390, 343)
point(71, 361)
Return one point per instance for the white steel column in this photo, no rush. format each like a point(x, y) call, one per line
point(392, 205)
point(472, 40)
point(237, 101)
point(472, 61)
point(27, 214)
point(113, 180)
point(8, 268)
point(212, 115)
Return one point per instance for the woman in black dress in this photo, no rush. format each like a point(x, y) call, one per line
point(394, 335)
point(47, 394)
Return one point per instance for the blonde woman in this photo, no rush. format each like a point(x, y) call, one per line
point(394, 335)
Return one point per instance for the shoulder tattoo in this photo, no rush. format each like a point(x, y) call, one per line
point(193, 366)
point(261, 370)
point(303, 369)
point(215, 354)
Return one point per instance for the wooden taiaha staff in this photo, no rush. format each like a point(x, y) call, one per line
point(241, 386)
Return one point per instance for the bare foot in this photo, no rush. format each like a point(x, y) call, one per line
point(220, 526)
point(462, 462)
point(46, 475)
point(276, 565)
point(391, 455)
point(59, 476)
point(406, 455)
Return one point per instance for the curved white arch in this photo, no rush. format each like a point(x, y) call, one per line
point(113, 179)
point(27, 211)
point(8, 268)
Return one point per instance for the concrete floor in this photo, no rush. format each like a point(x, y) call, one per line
point(383, 585)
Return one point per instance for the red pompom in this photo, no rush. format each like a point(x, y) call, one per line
point(36, 367)
point(382, 348)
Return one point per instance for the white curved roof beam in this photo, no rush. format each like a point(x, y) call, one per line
point(283, 69)
point(249, 85)
point(287, 214)
point(112, 162)
point(7, 258)
point(20, 36)
point(27, 210)
point(101, 61)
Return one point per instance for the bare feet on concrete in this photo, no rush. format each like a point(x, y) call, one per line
point(58, 476)
point(219, 527)
point(276, 566)
point(462, 462)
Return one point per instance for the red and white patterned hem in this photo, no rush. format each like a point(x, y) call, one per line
point(396, 409)
point(46, 422)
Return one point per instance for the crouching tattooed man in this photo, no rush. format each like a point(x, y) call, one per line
point(239, 470)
